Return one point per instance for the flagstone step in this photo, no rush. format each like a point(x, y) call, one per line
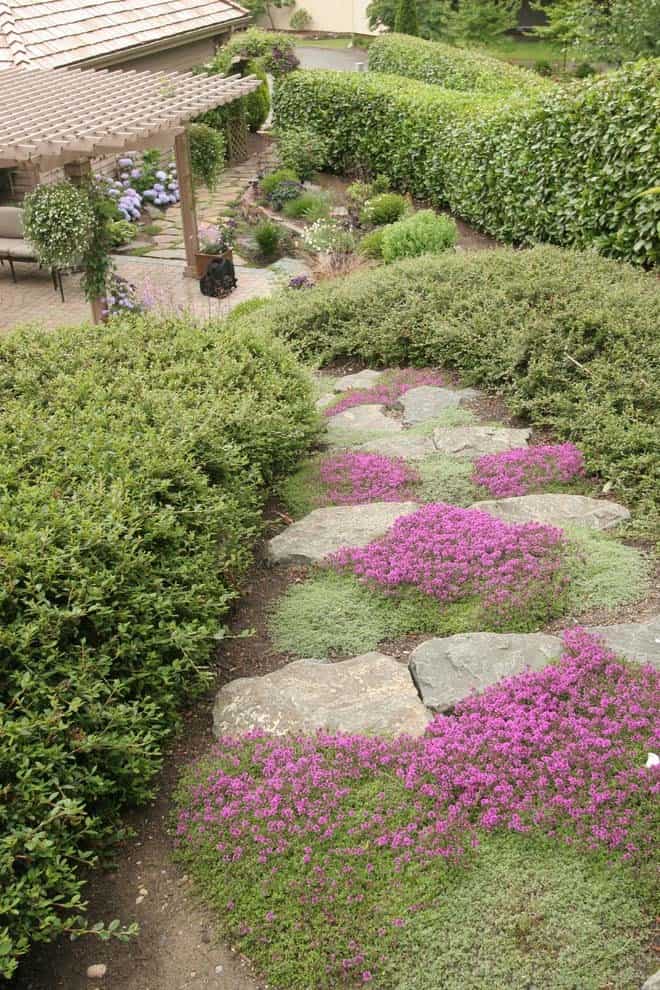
point(472, 442)
point(427, 402)
point(362, 419)
point(635, 640)
point(371, 694)
point(324, 531)
point(405, 446)
point(360, 379)
point(557, 510)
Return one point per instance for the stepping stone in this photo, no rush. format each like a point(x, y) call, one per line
point(556, 510)
point(653, 982)
point(289, 267)
point(449, 669)
point(363, 419)
point(408, 447)
point(428, 401)
point(638, 641)
point(325, 400)
point(472, 442)
point(324, 531)
point(372, 693)
point(361, 379)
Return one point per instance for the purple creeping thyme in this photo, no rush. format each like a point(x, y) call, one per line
point(558, 753)
point(350, 479)
point(393, 386)
point(516, 472)
point(454, 554)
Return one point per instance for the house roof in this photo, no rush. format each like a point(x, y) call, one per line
point(57, 33)
point(73, 114)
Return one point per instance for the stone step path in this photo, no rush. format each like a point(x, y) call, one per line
point(375, 693)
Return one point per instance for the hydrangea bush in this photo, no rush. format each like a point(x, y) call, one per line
point(350, 479)
point(305, 838)
point(139, 180)
point(388, 391)
point(517, 472)
point(517, 572)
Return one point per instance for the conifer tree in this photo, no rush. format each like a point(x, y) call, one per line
point(406, 17)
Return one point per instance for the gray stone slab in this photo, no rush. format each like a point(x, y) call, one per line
point(653, 982)
point(360, 379)
point(324, 531)
point(557, 510)
point(363, 419)
point(371, 694)
point(427, 402)
point(638, 641)
point(288, 267)
point(408, 447)
point(449, 669)
point(472, 442)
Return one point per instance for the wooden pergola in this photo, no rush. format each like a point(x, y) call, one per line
point(51, 118)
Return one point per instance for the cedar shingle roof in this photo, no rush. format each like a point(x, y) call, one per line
point(55, 33)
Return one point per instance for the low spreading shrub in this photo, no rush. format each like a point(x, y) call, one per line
point(449, 67)
point(567, 166)
point(309, 206)
point(425, 232)
point(270, 182)
point(569, 338)
point(357, 850)
point(303, 150)
point(383, 209)
point(371, 245)
point(517, 472)
point(135, 458)
point(268, 236)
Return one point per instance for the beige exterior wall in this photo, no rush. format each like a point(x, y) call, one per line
point(179, 59)
point(341, 16)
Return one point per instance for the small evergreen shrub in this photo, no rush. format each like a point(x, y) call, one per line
point(268, 236)
point(383, 209)
point(371, 245)
point(285, 193)
point(303, 150)
point(271, 181)
point(425, 232)
point(309, 206)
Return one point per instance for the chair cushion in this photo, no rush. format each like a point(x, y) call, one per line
point(11, 221)
point(15, 247)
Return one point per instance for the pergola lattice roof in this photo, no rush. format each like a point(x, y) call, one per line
point(68, 114)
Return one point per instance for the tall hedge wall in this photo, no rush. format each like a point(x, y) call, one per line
point(450, 67)
point(569, 337)
point(133, 465)
point(566, 167)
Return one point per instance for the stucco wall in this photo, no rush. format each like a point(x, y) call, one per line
point(181, 58)
point(342, 16)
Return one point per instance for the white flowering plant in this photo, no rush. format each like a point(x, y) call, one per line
point(59, 223)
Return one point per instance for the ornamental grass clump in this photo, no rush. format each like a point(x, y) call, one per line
point(516, 572)
point(517, 472)
point(393, 386)
point(350, 479)
point(339, 844)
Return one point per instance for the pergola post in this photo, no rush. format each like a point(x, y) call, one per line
point(187, 193)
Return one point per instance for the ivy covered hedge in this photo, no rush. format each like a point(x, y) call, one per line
point(566, 167)
point(134, 462)
point(569, 338)
point(450, 67)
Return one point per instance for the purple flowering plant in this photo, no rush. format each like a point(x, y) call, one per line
point(517, 472)
point(333, 843)
point(354, 478)
point(393, 385)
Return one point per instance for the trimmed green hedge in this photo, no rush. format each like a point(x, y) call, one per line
point(569, 338)
point(450, 67)
point(566, 167)
point(134, 464)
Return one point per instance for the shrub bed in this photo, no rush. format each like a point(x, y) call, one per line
point(134, 464)
point(450, 67)
point(334, 859)
point(567, 167)
point(569, 338)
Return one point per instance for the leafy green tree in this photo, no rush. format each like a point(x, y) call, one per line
point(612, 30)
point(450, 20)
point(265, 7)
point(406, 21)
point(432, 16)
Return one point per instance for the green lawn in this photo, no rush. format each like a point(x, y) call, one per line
point(517, 50)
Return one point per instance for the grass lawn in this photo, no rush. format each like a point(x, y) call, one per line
point(524, 51)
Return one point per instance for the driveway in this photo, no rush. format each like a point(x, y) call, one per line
point(331, 58)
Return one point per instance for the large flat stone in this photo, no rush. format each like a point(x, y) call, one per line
point(472, 442)
point(372, 693)
point(638, 641)
point(556, 510)
point(360, 379)
point(427, 402)
point(363, 419)
point(324, 531)
point(446, 670)
point(405, 446)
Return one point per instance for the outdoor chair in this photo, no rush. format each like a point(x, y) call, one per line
point(14, 247)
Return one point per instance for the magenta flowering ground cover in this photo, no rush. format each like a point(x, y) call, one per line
point(392, 387)
point(517, 472)
point(354, 478)
point(455, 554)
point(333, 842)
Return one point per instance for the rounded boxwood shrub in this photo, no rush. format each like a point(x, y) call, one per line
point(425, 232)
point(135, 460)
point(383, 209)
